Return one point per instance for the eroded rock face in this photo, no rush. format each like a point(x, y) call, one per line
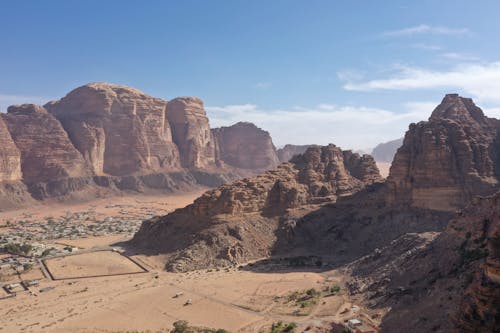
point(450, 279)
point(46, 151)
point(443, 162)
point(244, 145)
point(10, 157)
point(191, 132)
point(286, 153)
point(221, 218)
point(119, 130)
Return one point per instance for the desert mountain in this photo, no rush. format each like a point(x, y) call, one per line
point(447, 160)
point(384, 152)
point(245, 146)
point(103, 138)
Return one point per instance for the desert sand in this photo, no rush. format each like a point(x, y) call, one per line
point(104, 207)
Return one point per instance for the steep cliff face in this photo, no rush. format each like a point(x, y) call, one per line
point(237, 222)
point(286, 153)
point(445, 161)
point(191, 132)
point(244, 145)
point(10, 157)
point(119, 130)
point(46, 151)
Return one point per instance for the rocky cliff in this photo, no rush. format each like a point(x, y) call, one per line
point(286, 153)
point(448, 159)
point(191, 132)
point(10, 157)
point(234, 223)
point(245, 146)
point(46, 150)
point(119, 130)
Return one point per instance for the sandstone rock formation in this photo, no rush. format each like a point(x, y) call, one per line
point(237, 222)
point(10, 157)
point(46, 151)
point(191, 132)
point(384, 152)
point(286, 153)
point(445, 161)
point(244, 145)
point(102, 138)
point(119, 130)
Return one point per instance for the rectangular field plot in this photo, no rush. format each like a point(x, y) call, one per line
point(93, 264)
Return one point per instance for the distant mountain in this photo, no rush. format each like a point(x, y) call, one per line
point(384, 152)
point(286, 153)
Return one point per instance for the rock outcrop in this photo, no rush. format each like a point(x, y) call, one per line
point(448, 282)
point(447, 160)
point(245, 146)
point(119, 130)
point(191, 132)
point(46, 151)
point(237, 222)
point(286, 153)
point(10, 157)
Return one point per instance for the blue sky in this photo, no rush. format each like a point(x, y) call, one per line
point(354, 73)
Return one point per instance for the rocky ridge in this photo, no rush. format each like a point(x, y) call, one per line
point(451, 280)
point(238, 222)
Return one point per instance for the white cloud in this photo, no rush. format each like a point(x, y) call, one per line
point(355, 127)
point(8, 100)
point(492, 112)
point(459, 56)
point(426, 29)
point(424, 46)
point(263, 85)
point(481, 81)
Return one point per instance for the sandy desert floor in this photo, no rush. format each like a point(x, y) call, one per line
point(236, 300)
point(130, 205)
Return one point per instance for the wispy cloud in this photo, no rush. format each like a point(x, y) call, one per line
point(426, 29)
point(459, 56)
point(481, 81)
point(356, 127)
point(8, 100)
point(263, 85)
point(428, 47)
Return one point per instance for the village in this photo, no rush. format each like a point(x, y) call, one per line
point(26, 241)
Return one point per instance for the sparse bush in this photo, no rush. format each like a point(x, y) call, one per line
point(335, 289)
point(280, 327)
